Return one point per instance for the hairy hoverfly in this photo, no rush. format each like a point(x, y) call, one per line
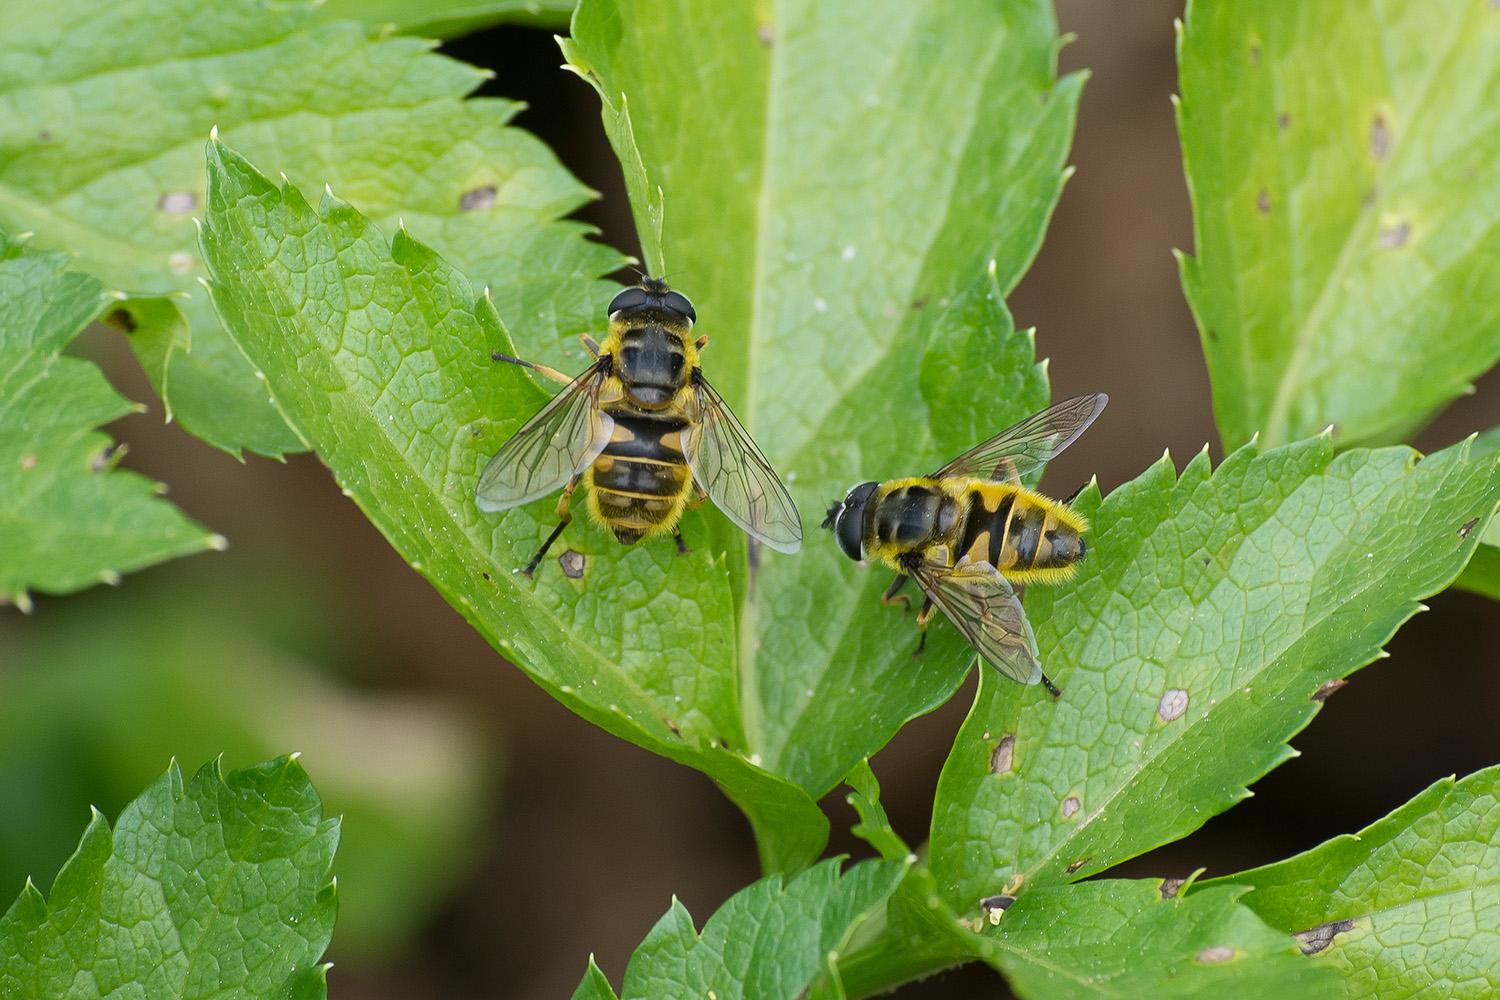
point(643, 431)
point(970, 533)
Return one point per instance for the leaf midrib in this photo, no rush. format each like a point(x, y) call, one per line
point(853, 597)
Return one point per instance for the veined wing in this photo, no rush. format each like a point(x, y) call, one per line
point(1030, 444)
point(981, 603)
point(731, 470)
point(561, 440)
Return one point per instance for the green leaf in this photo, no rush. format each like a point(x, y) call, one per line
point(1482, 575)
point(68, 518)
point(594, 985)
point(379, 352)
point(1142, 938)
point(846, 212)
point(447, 18)
point(1406, 906)
point(217, 887)
point(1196, 639)
point(772, 939)
point(1346, 213)
point(105, 112)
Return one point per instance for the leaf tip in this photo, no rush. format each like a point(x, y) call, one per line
point(217, 542)
point(213, 134)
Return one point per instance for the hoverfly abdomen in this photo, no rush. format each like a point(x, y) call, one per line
point(641, 479)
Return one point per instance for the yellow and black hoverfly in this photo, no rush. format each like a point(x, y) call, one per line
point(642, 430)
point(969, 531)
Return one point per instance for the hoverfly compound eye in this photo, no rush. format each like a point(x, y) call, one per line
point(630, 298)
point(678, 303)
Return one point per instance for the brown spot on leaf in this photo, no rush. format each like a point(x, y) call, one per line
point(1003, 757)
point(1325, 692)
point(572, 563)
point(1171, 886)
point(486, 576)
point(106, 457)
point(120, 319)
point(1173, 703)
point(1263, 202)
point(1380, 138)
point(28, 462)
point(1283, 121)
point(1318, 938)
point(920, 303)
point(44, 137)
point(1070, 806)
point(1255, 53)
point(1075, 866)
point(1395, 236)
point(177, 202)
point(1466, 527)
point(1369, 197)
point(479, 199)
point(1216, 955)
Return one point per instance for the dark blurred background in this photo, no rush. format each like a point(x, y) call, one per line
point(492, 839)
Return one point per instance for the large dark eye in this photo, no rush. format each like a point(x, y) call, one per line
point(630, 298)
point(677, 302)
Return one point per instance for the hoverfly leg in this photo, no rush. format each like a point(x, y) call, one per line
point(542, 370)
point(589, 344)
point(701, 342)
point(682, 548)
point(1052, 689)
point(923, 617)
point(889, 597)
point(1074, 495)
point(564, 517)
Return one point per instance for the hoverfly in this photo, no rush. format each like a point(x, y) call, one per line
point(643, 431)
point(970, 533)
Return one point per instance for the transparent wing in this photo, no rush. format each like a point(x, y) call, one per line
point(977, 599)
point(731, 470)
point(1029, 445)
point(560, 440)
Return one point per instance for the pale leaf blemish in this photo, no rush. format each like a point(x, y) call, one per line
point(1002, 758)
point(1173, 703)
point(848, 253)
point(1215, 955)
point(177, 203)
point(766, 35)
point(1395, 236)
point(1380, 138)
point(573, 564)
point(1325, 692)
point(180, 262)
point(1316, 939)
point(28, 462)
point(480, 199)
point(820, 305)
point(1070, 806)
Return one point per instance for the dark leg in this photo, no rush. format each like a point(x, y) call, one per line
point(682, 548)
point(923, 617)
point(564, 516)
point(1074, 495)
point(543, 370)
point(1051, 688)
point(889, 597)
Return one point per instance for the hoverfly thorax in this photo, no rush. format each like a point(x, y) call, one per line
point(651, 329)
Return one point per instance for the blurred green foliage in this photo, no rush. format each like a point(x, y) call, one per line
point(99, 692)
